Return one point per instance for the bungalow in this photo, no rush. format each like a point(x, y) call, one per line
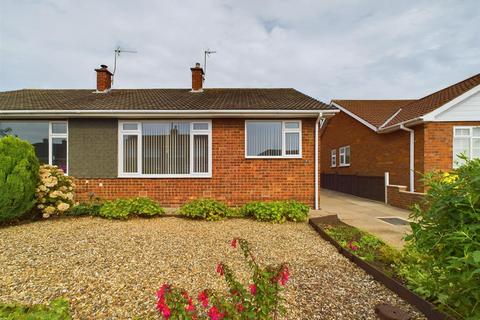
point(404, 138)
point(172, 145)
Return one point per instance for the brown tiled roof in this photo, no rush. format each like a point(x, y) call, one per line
point(375, 112)
point(433, 101)
point(159, 99)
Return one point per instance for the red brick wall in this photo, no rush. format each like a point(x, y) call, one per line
point(235, 180)
point(398, 196)
point(439, 144)
point(371, 154)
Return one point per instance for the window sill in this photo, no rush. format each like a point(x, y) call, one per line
point(273, 157)
point(343, 165)
point(164, 176)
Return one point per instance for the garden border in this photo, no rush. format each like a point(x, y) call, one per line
point(427, 308)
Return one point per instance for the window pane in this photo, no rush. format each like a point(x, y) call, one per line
point(462, 132)
point(200, 153)
point(34, 132)
point(130, 152)
point(292, 125)
point(292, 143)
point(130, 126)
point(476, 132)
point(200, 126)
point(59, 153)
point(347, 155)
point(264, 138)
point(166, 148)
point(59, 127)
point(460, 146)
point(476, 148)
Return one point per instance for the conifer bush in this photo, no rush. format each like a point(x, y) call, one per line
point(18, 177)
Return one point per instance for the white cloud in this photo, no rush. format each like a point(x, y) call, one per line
point(328, 49)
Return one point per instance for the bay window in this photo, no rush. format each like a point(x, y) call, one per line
point(273, 139)
point(49, 139)
point(165, 149)
point(466, 141)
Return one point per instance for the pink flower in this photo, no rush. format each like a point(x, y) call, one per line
point(234, 243)
point(214, 314)
point(284, 276)
point(162, 290)
point(352, 246)
point(239, 307)
point(203, 298)
point(220, 269)
point(166, 312)
point(253, 289)
point(190, 307)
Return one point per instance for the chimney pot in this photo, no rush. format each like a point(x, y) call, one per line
point(197, 78)
point(104, 78)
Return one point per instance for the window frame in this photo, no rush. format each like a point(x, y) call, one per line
point(333, 158)
point(138, 133)
point(284, 132)
point(470, 137)
point(51, 136)
point(343, 151)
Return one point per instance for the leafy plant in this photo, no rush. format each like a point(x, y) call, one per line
point(124, 208)
point(207, 209)
point(261, 299)
point(442, 258)
point(18, 177)
point(276, 211)
point(55, 310)
point(54, 191)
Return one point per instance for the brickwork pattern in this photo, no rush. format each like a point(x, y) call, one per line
point(235, 180)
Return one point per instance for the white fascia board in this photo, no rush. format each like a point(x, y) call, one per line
point(390, 118)
point(164, 113)
point(353, 115)
point(432, 115)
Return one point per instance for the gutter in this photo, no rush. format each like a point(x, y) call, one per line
point(158, 113)
point(412, 156)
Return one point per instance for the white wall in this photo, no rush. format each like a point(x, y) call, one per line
point(466, 110)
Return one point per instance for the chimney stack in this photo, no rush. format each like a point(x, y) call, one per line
point(104, 79)
point(197, 78)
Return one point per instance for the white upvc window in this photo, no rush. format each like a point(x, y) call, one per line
point(344, 153)
point(48, 138)
point(273, 139)
point(165, 149)
point(466, 141)
point(333, 158)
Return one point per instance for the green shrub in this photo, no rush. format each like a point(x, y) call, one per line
point(85, 209)
point(124, 208)
point(55, 310)
point(276, 211)
point(207, 209)
point(18, 177)
point(442, 257)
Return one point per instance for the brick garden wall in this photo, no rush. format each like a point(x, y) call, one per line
point(398, 196)
point(235, 180)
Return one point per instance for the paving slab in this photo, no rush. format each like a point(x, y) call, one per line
point(364, 214)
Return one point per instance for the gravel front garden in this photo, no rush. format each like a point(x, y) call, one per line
point(112, 269)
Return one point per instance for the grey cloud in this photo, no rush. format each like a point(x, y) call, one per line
point(328, 49)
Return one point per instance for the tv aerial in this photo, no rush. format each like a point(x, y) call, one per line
point(117, 53)
point(207, 53)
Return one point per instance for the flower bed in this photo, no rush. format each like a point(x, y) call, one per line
point(374, 256)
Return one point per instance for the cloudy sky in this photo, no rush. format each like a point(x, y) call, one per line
point(327, 49)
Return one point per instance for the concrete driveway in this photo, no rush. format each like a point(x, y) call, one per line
point(364, 214)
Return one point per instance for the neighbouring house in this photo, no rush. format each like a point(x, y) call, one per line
point(235, 145)
point(404, 138)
